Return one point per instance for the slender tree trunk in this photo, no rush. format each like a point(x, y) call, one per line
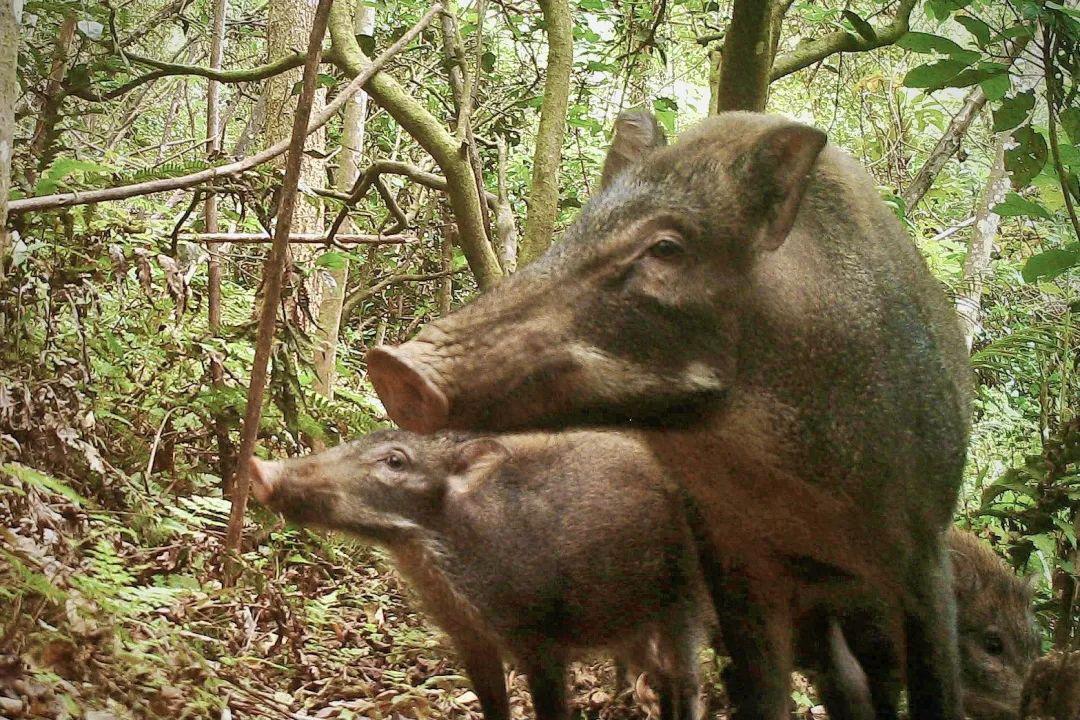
point(288, 25)
point(543, 204)
point(272, 276)
point(9, 91)
point(334, 281)
point(716, 59)
point(44, 138)
point(747, 57)
point(949, 142)
point(946, 147)
point(432, 135)
point(226, 454)
point(977, 263)
point(505, 227)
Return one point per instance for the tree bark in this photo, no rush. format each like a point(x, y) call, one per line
point(747, 57)
point(977, 262)
point(543, 203)
point(44, 137)
point(272, 276)
point(288, 23)
point(949, 142)
point(813, 51)
point(433, 136)
point(945, 148)
point(226, 454)
point(334, 281)
point(9, 91)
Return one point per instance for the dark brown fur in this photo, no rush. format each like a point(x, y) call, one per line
point(1052, 690)
point(996, 626)
point(538, 546)
point(746, 293)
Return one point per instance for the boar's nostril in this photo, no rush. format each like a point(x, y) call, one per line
point(407, 392)
point(264, 477)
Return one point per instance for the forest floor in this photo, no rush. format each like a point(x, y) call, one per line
point(115, 615)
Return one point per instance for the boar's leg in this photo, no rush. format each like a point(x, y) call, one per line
point(679, 682)
point(842, 682)
point(930, 630)
point(483, 664)
point(758, 635)
point(545, 669)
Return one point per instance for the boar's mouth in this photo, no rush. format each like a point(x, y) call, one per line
point(411, 393)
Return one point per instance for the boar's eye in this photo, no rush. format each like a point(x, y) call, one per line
point(395, 460)
point(993, 643)
point(665, 246)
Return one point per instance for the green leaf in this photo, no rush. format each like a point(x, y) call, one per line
point(367, 44)
point(38, 479)
point(996, 87)
point(1013, 111)
point(487, 61)
point(861, 26)
point(331, 260)
point(1070, 121)
point(927, 43)
point(1027, 159)
point(976, 27)
point(976, 75)
point(934, 75)
point(1017, 206)
point(1050, 263)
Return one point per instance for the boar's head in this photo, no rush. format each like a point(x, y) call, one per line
point(635, 315)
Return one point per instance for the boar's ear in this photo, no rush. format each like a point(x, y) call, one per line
point(637, 132)
point(474, 460)
point(777, 172)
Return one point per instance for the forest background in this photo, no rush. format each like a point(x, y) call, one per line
point(131, 273)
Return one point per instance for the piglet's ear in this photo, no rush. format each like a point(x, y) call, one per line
point(637, 133)
point(775, 177)
point(475, 460)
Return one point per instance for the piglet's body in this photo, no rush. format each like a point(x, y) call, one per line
point(538, 546)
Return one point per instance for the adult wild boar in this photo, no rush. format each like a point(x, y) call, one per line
point(746, 295)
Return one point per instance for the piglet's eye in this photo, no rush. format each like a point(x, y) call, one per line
point(396, 460)
point(665, 247)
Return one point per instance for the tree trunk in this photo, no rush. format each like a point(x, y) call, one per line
point(747, 57)
point(946, 147)
point(977, 263)
point(288, 25)
point(334, 281)
point(9, 91)
point(949, 142)
point(44, 139)
point(432, 135)
point(543, 204)
point(226, 454)
point(716, 59)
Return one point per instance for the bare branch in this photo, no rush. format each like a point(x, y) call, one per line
point(49, 202)
point(272, 277)
point(808, 53)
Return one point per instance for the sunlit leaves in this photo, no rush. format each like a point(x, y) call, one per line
point(1051, 263)
point(1013, 111)
point(1017, 206)
point(921, 42)
point(1027, 157)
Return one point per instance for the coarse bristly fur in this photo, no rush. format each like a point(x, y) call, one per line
point(535, 546)
point(745, 296)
